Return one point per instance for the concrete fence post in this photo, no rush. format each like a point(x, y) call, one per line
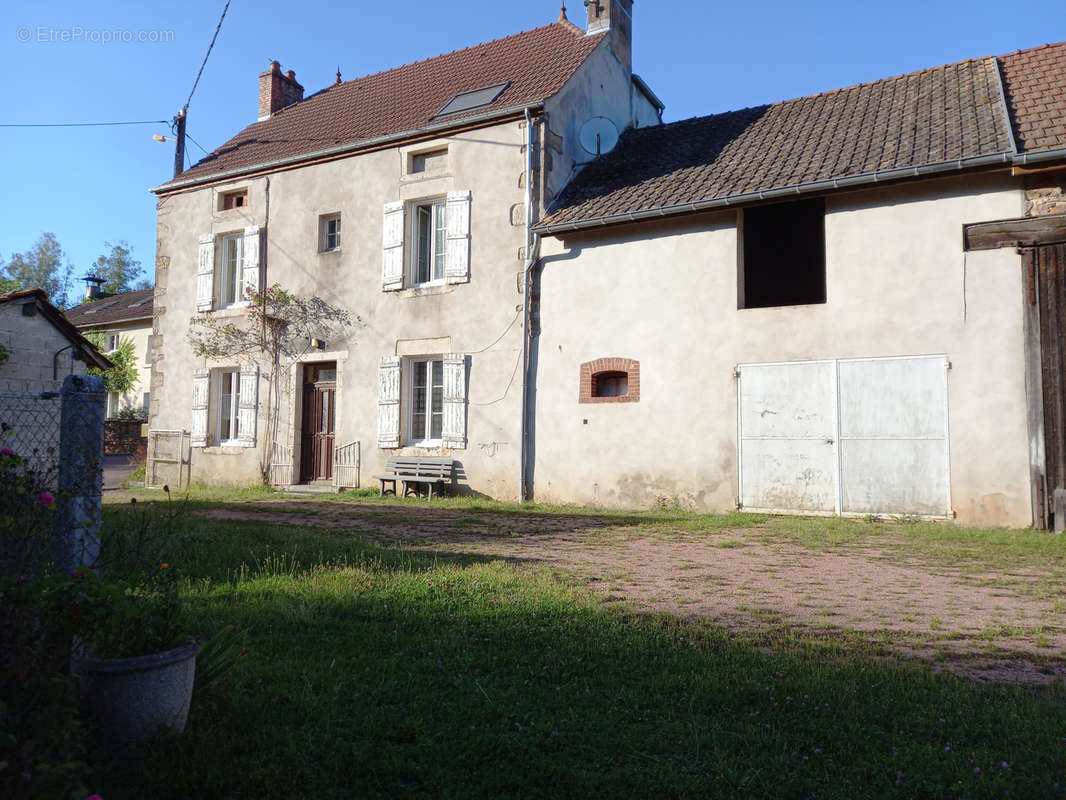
point(81, 452)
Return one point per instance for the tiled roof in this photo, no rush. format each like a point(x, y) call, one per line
point(123, 307)
point(918, 120)
point(537, 63)
point(1035, 85)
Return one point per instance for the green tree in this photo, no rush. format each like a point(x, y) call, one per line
point(119, 269)
point(122, 376)
point(43, 266)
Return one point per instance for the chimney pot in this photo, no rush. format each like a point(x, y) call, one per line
point(290, 74)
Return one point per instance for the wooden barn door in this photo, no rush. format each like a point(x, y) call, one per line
point(1046, 269)
point(319, 418)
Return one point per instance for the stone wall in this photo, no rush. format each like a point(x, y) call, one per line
point(1046, 194)
point(123, 437)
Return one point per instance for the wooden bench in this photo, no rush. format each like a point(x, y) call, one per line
point(413, 472)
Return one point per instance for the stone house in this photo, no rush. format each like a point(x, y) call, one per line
point(127, 315)
point(40, 347)
point(840, 304)
point(406, 198)
point(850, 303)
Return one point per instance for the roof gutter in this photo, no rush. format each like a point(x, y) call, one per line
point(813, 187)
point(346, 149)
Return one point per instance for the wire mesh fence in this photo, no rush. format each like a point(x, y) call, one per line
point(30, 428)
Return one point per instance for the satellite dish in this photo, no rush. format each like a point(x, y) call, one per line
point(598, 135)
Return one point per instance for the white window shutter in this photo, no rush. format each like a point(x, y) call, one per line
point(247, 405)
point(205, 273)
point(457, 261)
point(201, 381)
point(250, 280)
point(455, 400)
point(389, 402)
point(392, 247)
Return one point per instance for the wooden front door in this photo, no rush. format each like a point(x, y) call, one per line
point(319, 416)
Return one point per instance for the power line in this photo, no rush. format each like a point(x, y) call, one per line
point(207, 54)
point(79, 124)
point(187, 136)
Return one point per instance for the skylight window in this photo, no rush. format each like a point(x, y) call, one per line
point(467, 101)
point(100, 307)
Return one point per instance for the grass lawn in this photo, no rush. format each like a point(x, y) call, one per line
point(383, 671)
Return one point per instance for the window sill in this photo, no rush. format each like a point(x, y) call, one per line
point(415, 177)
point(427, 444)
point(427, 289)
point(329, 252)
point(616, 399)
point(235, 310)
point(224, 448)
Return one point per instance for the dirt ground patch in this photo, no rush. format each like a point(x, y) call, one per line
point(1003, 626)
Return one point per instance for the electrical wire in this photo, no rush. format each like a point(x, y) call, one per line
point(498, 338)
point(187, 136)
point(207, 55)
point(80, 124)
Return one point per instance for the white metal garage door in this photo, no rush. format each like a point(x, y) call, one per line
point(854, 436)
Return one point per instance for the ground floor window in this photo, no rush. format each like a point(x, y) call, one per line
point(426, 419)
point(228, 397)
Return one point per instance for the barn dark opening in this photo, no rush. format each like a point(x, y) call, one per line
point(783, 260)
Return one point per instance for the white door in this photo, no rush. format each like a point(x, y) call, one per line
point(788, 436)
point(859, 436)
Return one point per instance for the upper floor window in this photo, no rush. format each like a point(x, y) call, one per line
point(227, 269)
point(329, 232)
point(782, 262)
point(231, 200)
point(229, 276)
point(112, 342)
point(430, 161)
point(431, 242)
point(426, 242)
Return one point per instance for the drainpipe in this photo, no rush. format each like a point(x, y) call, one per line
point(532, 246)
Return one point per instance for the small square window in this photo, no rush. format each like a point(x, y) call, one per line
point(430, 161)
point(329, 232)
point(610, 384)
point(230, 200)
point(431, 242)
point(610, 380)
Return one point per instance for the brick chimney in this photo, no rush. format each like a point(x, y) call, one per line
point(615, 17)
point(276, 91)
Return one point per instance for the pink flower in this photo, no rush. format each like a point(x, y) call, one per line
point(7, 451)
point(46, 499)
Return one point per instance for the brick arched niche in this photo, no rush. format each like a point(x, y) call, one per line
point(610, 380)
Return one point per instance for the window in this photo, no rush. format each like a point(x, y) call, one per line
point(146, 397)
point(427, 242)
point(229, 276)
point(329, 232)
point(477, 98)
point(431, 242)
point(426, 417)
point(230, 200)
point(227, 266)
point(114, 400)
point(610, 384)
point(148, 351)
point(433, 407)
point(431, 161)
point(112, 342)
point(610, 380)
point(782, 262)
point(227, 400)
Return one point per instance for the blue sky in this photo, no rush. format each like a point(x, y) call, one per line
point(84, 62)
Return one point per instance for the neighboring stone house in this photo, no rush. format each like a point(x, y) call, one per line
point(405, 197)
point(116, 317)
point(40, 347)
point(847, 303)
